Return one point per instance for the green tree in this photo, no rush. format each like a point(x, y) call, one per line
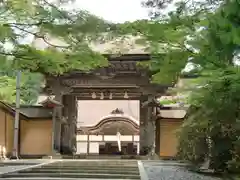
point(62, 39)
point(30, 88)
point(45, 21)
point(205, 33)
point(215, 115)
point(211, 130)
point(166, 43)
point(32, 85)
point(8, 89)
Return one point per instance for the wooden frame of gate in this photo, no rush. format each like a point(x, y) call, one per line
point(122, 79)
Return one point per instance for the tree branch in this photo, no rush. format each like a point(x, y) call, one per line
point(25, 24)
point(17, 55)
point(40, 37)
point(53, 6)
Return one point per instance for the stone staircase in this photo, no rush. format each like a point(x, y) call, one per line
point(80, 169)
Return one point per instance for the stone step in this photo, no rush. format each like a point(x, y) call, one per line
point(61, 165)
point(64, 169)
point(49, 178)
point(77, 163)
point(109, 157)
point(94, 165)
point(15, 164)
point(96, 171)
point(72, 175)
point(99, 160)
point(90, 166)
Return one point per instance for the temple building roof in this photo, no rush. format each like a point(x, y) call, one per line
point(112, 124)
point(111, 45)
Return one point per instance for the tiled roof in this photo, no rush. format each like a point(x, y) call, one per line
point(173, 112)
point(125, 45)
point(38, 112)
point(28, 112)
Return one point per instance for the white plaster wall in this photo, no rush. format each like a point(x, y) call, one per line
point(81, 148)
point(95, 138)
point(106, 138)
point(90, 112)
point(114, 138)
point(94, 147)
point(81, 137)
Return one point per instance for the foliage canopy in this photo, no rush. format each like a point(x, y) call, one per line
point(42, 36)
point(45, 21)
point(206, 34)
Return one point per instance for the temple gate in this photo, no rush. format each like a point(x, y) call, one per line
point(122, 79)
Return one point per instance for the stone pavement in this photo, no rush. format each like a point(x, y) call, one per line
point(6, 169)
point(170, 170)
point(8, 166)
point(98, 169)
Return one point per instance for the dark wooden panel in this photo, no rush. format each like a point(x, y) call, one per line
point(157, 136)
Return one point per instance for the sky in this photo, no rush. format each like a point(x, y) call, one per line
point(117, 11)
point(114, 10)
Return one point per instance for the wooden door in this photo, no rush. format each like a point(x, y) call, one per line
point(168, 137)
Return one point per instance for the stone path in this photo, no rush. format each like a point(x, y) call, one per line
point(13, 165)
point(167, 170)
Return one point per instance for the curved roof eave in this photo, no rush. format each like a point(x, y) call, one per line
point(118, 116)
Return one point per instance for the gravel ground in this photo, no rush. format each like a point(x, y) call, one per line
point(171, 171)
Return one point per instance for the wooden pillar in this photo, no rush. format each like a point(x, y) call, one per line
point(74, 125)
point(147, 127)
point(88, 145)
point(71, 122)
point(65, 113)
point(68, 106)
point(142, 133)
point(58, 90)
point(57, 122)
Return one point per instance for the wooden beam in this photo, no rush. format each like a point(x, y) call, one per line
point(110, 95)
point(114, 98)
point(96, 81)
point(107, 88)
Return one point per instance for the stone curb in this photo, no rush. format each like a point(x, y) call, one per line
point(143, 174)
